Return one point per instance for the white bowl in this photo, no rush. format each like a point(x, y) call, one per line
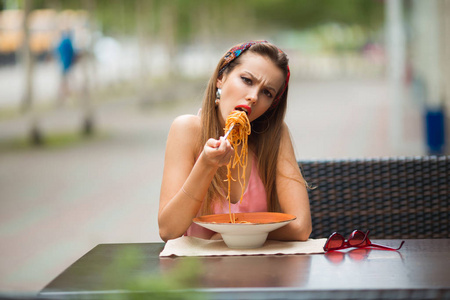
point(245, 235)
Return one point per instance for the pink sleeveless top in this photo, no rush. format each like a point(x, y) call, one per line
point(254, 200)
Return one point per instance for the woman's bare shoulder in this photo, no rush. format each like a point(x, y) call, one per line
point(186, 123)
point(185, 133)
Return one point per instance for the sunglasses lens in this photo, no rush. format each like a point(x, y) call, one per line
point(357, 238)
point(335, 241)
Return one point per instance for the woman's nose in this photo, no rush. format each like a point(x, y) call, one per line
point(252, 96)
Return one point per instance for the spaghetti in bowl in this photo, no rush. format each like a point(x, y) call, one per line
point(250, 230)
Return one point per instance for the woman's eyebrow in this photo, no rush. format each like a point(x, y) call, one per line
point(267, 86)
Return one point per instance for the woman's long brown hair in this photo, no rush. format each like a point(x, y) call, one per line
point(264, 141)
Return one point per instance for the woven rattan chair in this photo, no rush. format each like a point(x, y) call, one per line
point(394, 198)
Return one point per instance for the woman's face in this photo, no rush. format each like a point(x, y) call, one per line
point(251, 86)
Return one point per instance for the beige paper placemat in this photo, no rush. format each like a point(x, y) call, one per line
point(192, 246)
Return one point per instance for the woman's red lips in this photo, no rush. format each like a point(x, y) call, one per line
point(244, 108)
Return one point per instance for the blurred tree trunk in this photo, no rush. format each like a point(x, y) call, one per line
point(35, 133)
point(168, 33)
point(27, 57)
point(445, 66)
point(395, 40)
point(86, 65)
point(143, 11)
point(204, 23)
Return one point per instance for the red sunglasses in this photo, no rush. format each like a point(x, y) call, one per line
point(357, 239)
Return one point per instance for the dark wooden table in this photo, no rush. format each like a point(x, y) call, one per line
point(420, 270)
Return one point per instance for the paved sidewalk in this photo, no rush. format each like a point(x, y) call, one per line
point(55, 205)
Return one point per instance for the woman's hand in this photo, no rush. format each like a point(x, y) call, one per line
point(217, 152)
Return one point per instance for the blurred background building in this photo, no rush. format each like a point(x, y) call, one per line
point(82, 148)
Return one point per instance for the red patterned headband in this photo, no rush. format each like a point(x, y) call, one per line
point(234, 52)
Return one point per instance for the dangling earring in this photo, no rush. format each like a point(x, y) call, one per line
point(218, 94)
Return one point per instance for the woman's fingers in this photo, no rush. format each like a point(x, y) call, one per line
point(213, 143)
point(218, 151)
point(223, 144)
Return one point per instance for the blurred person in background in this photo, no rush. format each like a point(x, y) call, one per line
point(67, 58)
point(252, 77)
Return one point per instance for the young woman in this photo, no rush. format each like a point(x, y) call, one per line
point(252, 77)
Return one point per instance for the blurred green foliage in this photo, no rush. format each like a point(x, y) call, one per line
point(53, 141)
point(120, 16)
point(300, 14)
point(265, 15)
point(176, 283)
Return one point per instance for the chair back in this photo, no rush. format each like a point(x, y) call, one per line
point(394, 198)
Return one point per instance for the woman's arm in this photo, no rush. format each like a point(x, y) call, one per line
point(292, 194)
point(185, 178)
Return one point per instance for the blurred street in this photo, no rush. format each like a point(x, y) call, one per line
point(58, 204)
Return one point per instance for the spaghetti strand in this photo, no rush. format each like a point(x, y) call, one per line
point(238, 137)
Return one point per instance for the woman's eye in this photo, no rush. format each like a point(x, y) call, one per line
point(246, 80)
point(267, 93)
